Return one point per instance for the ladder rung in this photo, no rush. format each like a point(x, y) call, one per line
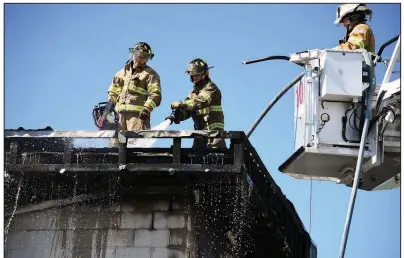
point(392, 133)
point(391, 144)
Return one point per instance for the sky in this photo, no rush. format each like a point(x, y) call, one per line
point(60, 60)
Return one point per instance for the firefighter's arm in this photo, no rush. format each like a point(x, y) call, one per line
point(202, 100)
point(357, 40)
point(153, 92)
point(185, 114)
point(116, 87)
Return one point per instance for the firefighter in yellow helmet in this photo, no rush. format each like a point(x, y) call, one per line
point(203, 104)
point(359, 35)
point(135, 90)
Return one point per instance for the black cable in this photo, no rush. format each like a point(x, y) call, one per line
point(387, 43)
point(344, 122)
point(350, 118)
point(273, 102)
point(323, 121)
point(382, 113)
point(356, 117)
point(286, 58)
point(379, 102)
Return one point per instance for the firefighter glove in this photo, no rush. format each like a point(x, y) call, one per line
point(144, 114)
point(176, 105)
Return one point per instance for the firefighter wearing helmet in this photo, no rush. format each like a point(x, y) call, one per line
point(359, 35)
point(203, 104)
point(135, 90)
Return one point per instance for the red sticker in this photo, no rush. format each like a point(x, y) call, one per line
point(299, 93)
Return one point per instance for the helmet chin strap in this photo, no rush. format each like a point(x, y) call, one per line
point(347, 33)
point(348, 30)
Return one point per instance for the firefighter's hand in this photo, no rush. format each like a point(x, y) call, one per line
point(144, 114)
point(175, 105)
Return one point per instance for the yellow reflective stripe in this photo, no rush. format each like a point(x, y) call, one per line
point(153, 88)
point(205, 111)
point(205, 96)
point(114, 89)
point(129, 107)
point(216, 108)
point(357, 42)
point(150, 103)
point(137, 89)
point(190, 104)
point(215, 126)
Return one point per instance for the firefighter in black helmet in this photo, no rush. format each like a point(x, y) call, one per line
point(203, 104)
point(135, 90)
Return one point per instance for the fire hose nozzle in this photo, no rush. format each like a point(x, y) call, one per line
point(175, 116)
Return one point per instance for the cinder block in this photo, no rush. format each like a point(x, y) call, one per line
point(178, 237)
point(90, 221)
point(97, 238)
point(92, 252)
point(162, 204)
point(80, 238)
point(105, 253)
point(39, 220)
point(178, 203)
point(70, 239)
point(151, 238)
point(127, 206)
point(148, 203)
point(165, 253)
point(133, 220)
point(121, 238)
point(30, 239)
point(57, 252)
point(168, 220)
point(31, 253)
point(132, 252)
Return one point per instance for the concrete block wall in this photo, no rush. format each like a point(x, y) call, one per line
point(138, 226)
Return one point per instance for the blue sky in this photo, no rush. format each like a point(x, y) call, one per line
point(60, 59)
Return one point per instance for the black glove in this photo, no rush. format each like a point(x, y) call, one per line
point(144, 114)
point(177, 104)
point(175, 116)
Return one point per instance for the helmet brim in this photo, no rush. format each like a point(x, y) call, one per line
point(193, 73)
point(338, 21)
point(351, 9)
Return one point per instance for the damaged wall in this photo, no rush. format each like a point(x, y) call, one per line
point(139, 221)
point(167, 202)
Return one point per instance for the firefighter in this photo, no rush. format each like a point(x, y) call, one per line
point(135, 90)
point(203, 104)
point(358, 33)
